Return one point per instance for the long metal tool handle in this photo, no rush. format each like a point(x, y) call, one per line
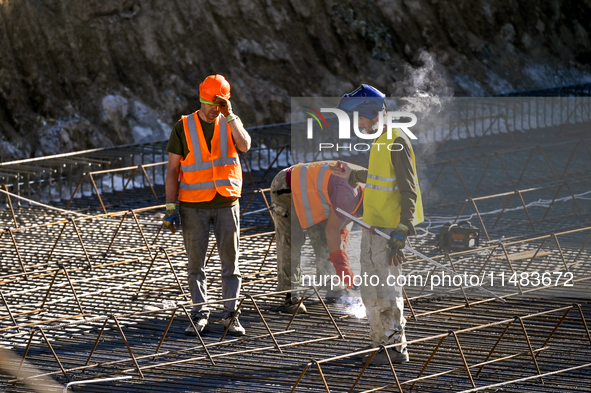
point(418, 254)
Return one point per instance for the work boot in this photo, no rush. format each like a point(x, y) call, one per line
point(201, 323)
point(236, 328)
point(381, 359)
point(291, 305)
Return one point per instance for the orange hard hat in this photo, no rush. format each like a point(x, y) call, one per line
point(214, 85)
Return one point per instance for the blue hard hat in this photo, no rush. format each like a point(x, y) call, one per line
point(366, 100)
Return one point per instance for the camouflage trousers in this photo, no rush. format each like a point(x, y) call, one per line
point(384, 303)
point(290, 237)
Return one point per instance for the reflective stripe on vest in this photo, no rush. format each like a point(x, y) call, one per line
point(310, 192)
point(382, 196)
point(211, 184)
point(205, 172)
point(391, 180)
point(380, 178)
point(199, 164)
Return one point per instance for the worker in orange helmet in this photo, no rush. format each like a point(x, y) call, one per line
point(204, 169)
point(304, 202)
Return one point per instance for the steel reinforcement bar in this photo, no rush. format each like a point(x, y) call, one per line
point(457, 350)
point(477, 263)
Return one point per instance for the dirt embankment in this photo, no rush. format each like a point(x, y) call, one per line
point(83, 74)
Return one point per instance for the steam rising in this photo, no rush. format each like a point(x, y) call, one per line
point(424, 90)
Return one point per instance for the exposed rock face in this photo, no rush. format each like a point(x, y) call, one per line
point(84, 74)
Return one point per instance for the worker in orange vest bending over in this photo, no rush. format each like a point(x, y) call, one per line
point(313, 193)
point(204, 169)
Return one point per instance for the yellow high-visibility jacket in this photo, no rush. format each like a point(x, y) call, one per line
point(381, 204)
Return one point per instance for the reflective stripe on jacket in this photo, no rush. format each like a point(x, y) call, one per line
point(381, 203)
point(203, 173)
point(309, 189)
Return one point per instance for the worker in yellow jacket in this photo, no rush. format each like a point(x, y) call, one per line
point(393, 204)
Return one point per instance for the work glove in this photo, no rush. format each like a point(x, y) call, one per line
point(396, 257)
point(398, 237)
point(340, 261)
point(225, 108)
point(171, 218)
point(344, 238)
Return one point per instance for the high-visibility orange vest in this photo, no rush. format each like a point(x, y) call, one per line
point(309, 190)
point(203, 173)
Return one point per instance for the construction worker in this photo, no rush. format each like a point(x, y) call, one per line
point(204, 168)
point(313, 194)
point(393, 204)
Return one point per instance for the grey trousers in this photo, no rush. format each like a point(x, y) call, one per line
point(226, 228)
point(384, 304)
point(290, 237)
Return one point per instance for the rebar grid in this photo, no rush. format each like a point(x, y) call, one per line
point(458, 351)
point(456, 126)
point(470, 262)
point(64, 177)
point(131, 255)
point(157, 353)
point(162, 254)
point(419, 352)
point(537, 160)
